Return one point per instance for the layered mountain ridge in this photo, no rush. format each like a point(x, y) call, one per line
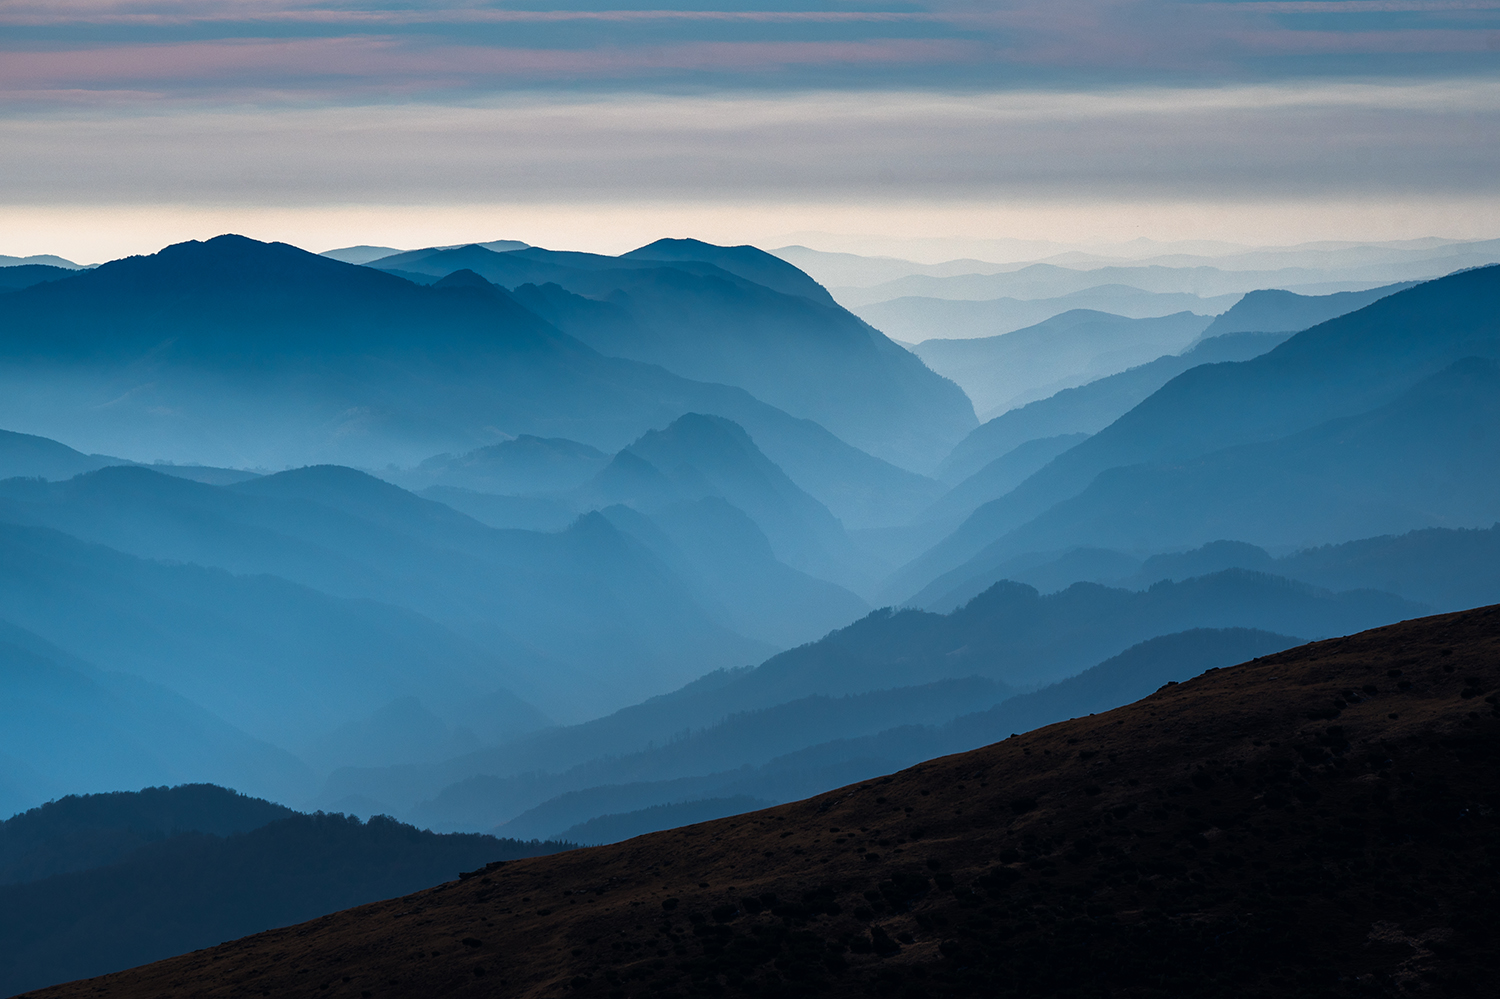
point(1213, 836)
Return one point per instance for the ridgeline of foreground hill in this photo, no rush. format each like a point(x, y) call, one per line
point(1318, 822)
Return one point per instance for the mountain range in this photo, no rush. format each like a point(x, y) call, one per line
point(729, 315)
point(1218, 836)
point(1346, 368)
point(233, 352)
point(503, 541)
point(1072, 348)
point(1090, 408)
point(794, 715)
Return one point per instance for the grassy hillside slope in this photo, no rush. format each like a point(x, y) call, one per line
point(1319, 822)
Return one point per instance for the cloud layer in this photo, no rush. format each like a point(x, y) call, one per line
point(277, 105)
point(340, 51)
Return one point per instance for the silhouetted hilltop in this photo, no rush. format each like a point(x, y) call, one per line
point(1012, 634)
point(81, 832)
point(1118, 680)
point(913, 318)
point(1047, 571)
point(25, 275)
point(748, 262)
point(1219, 836)
point(1450, 569)
point(1445, 568)
point(185, 888)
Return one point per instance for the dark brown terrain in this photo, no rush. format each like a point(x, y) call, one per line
point(1321, 822)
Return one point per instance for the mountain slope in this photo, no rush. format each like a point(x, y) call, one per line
point(29, 456)
point(1217, 837)
point(1343, 367)
point(1002, 474)
point(1078, 346)
point(1274, 311)
point(788, 344)
point(202, 632)
point(748, 262)
point(1430, 458)
point(912, 319)
point(18, 276)
point(1008, 634)
point(244, 354)
point(531, 805)
point(1133, 673)
point(522, 465)
point(81, 832)
point(578, 621)
point(192, 889)
point(69, 727)
point(699, 456)
point(1450, 569)
point(1447, 568)
point(1090, 408)
point(728, 561)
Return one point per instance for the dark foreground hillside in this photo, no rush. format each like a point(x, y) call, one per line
point(98, 882)
point(1320, 822)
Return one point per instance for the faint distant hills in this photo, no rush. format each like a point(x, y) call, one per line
point(1273, 311)
point(478, 604)
point(1364, 370)
point(1080, 346)
point(806, 717)
point(1039, 271)
point(1003, 372)
point(37, 260)
point(67, 726)
point(1091, 407)
point(1440, 567)
point(914, 319)
point(521, 465)
point(364, 254)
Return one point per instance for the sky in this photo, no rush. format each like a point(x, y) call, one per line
point(604, 124)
